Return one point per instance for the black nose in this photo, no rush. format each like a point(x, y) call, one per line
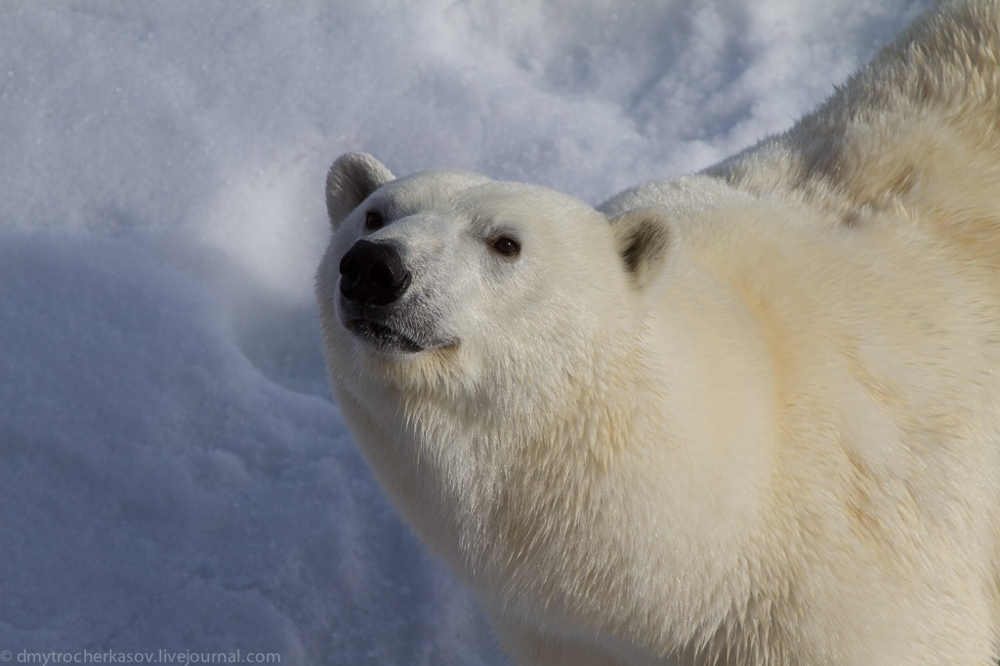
point(373, 273)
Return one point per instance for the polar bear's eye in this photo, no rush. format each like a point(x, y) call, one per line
point(506, 246)
point(374, 220)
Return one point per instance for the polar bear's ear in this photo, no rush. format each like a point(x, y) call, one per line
point(350, 180)
point(644, 238)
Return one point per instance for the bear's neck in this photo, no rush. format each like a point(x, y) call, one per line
point(649, 473)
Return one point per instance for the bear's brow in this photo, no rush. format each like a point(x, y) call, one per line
point(484, 224)
point(389, 208)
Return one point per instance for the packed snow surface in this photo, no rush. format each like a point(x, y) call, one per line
point(174, 476)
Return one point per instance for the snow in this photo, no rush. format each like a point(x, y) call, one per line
point(173, 473)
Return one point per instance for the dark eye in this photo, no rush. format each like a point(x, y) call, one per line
point(374, 220)
point(506, 246)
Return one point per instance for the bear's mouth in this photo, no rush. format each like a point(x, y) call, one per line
point(382, 337)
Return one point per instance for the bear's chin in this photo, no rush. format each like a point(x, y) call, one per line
point(386, 340)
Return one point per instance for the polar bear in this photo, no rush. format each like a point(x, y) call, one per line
point(750, 416)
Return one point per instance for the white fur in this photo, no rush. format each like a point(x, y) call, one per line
point(775, 441)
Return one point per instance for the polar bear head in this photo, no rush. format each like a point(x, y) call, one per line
point(448, 276)
point(472, 328)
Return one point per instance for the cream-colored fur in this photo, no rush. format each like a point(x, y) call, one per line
point(754, 419)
